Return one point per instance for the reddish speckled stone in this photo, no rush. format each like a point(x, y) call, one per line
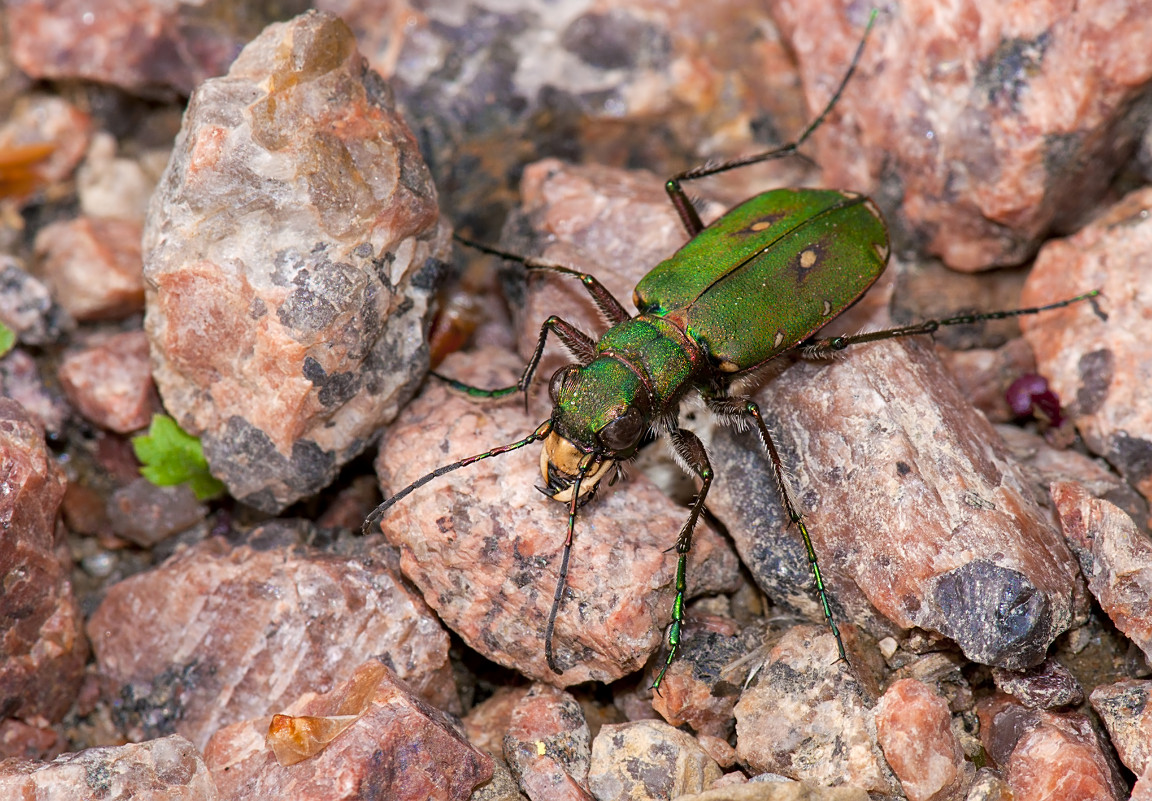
point(914, 727)
point(484, 546)
point(1115, 556)
point(221, 633)
point(110, 382)
point(42, 644)
point(1095, 355)
point(401, 749)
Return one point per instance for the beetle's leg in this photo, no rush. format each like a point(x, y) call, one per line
point(732, 410)
point(825, 348)
point(613, 311)
point(562, 579)
point(579, 344)
point(689, 452)
point(683, 205)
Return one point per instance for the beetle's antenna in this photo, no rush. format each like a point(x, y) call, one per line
point(542, 431)
point(573, 505)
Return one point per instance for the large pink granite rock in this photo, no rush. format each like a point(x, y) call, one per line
point(978, 118)
point(290, 254)
point(1115, 556)
point(1095, 355)
point(919, 514)
point(485, 547)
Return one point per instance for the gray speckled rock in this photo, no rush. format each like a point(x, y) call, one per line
point(290, 252)
point(163, 769)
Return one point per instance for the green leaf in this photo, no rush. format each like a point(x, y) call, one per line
point(169, 457)
point(7, 339)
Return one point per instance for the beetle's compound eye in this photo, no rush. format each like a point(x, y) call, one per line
point(558, 380)
point(623, 432)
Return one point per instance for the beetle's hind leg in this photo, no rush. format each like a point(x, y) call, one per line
point(829, 347)
point(738, 411)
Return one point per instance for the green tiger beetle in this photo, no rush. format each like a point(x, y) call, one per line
point(758, 282)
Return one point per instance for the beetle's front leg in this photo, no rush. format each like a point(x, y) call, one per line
point(579, 344)
point(690, 454)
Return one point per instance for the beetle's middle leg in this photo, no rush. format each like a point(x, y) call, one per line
point(734, 410)
point(690, 454)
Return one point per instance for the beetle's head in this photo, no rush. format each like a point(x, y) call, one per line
point(599, 413)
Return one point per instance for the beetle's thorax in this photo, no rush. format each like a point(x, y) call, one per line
point(661, 354)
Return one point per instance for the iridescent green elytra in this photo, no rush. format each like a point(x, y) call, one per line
point(756, 283)
point(789, 259)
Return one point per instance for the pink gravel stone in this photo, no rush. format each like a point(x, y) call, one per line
point(291, 254)
point(93, 266)
point(19, 740)
point(918, 512)
point(1124, 707)
point(39, 119)
point(401, 749)
point(486, 723)
point(1047, 755)
point(221, 633)
point(809, 717)
point(1046, 686)
point(648, 759)
point(110, 382)
point(696, 689)
point(914, 727)
point(146, 514)
point(548, 745)
point(138, 45)
point(42, 644)
point(1115, 556)
point(168, 769)
point(27, 307)
point(1095, 355)
point(20, 380)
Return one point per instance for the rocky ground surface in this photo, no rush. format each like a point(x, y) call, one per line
point(244, 221)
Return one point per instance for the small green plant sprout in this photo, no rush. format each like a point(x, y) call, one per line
point(169, 456)
point(7, 339)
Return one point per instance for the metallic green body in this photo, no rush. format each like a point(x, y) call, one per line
point(768, 274)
